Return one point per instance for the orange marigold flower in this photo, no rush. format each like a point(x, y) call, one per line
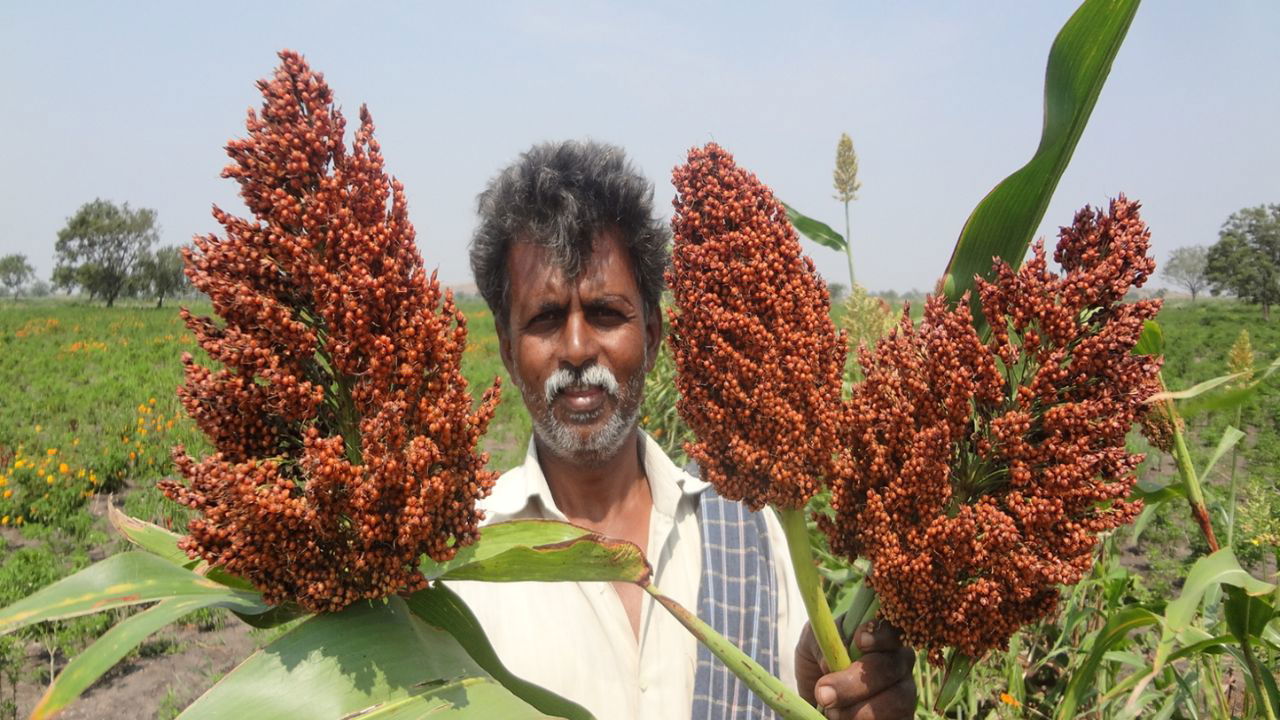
point(758, 359)
point(979, 474)
point(345, 436)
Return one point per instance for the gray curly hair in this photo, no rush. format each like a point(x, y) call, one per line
point(561, 195)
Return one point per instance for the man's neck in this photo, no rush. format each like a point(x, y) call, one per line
point(596, 494)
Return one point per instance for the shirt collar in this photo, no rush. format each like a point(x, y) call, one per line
point(524, 485)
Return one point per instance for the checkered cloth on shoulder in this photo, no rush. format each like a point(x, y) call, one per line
point(738, 597)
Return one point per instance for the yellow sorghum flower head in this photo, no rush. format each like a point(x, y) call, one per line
point(1240, 359)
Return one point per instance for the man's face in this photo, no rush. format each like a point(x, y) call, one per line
point(578, 349)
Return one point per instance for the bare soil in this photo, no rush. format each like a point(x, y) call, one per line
point(191, 661)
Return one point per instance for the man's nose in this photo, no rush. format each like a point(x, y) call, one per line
point(580, 345)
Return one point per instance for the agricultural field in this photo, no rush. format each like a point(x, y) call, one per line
point(88, 415)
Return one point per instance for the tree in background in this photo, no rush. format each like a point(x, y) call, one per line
point(1246, 259)
point(845, 180)
point(15, 272)
point(1186, 267)
point(160, 274)
point(101, 246)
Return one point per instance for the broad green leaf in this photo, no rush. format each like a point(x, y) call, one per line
point(1219, 569)
point(277, 615)
point(1267, 679)
point(1112, 635)
point(162, 542)
point(815, 230)
point(1193, 391)
point(542, 550)
point(440, 607)
point(1209, 645)
point(1003, 223)
point(956, 677)
point(1227, 398)
point(85, 668)
point(1155, 492)
point(149, 537)
point(1229, 438)
point(1247, 615)
point(1151, 342)
point(128, 578)
point(1125, 657)
point(372, 660)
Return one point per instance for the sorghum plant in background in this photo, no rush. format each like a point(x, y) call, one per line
point(345, 435)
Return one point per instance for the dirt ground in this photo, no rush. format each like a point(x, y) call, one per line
point(158, 685)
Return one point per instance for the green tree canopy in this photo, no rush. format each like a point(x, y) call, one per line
point(15, 272)
point(1246, 259)
point(160, 274)
point(101, 247)
point(1186, 267)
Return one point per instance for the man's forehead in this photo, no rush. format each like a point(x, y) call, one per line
point(536, 272)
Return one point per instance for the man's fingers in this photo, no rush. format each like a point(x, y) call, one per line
point(866, 678)
point(877, 636)
point(808, 664)
point(896, 703)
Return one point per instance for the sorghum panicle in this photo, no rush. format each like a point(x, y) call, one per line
point(345, 436)
point(979, 475)
point(759, 361)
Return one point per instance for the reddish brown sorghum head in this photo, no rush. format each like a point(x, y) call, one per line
point(344, 433)
point(979, 475)
point(759, 361)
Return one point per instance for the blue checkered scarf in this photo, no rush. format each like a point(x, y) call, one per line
point(738, 597)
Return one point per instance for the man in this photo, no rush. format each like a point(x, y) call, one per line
point(570, 259)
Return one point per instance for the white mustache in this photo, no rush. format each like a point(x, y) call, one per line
point(566, 379)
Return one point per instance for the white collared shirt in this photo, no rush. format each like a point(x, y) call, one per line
point(575, 638)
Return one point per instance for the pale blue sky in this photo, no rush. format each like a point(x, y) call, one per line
point(134, 101)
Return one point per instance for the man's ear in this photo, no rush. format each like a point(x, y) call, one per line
point(652, 336)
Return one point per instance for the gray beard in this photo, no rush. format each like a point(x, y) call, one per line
point(564, 442)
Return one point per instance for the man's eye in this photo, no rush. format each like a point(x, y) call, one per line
point(606, 315)
point(543, 319)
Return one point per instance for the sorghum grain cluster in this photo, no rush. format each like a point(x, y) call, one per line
point(979, 474)
point(344, 433)
point(759, 361)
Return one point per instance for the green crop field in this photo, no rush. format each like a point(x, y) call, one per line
point(88, 414)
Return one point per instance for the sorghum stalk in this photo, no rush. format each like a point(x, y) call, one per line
point(1187, 473)
point(773, 691)
point(815, 600)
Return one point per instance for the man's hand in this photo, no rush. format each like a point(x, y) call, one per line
point(878, 686)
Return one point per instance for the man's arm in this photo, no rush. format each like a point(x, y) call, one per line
point(878, 686)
